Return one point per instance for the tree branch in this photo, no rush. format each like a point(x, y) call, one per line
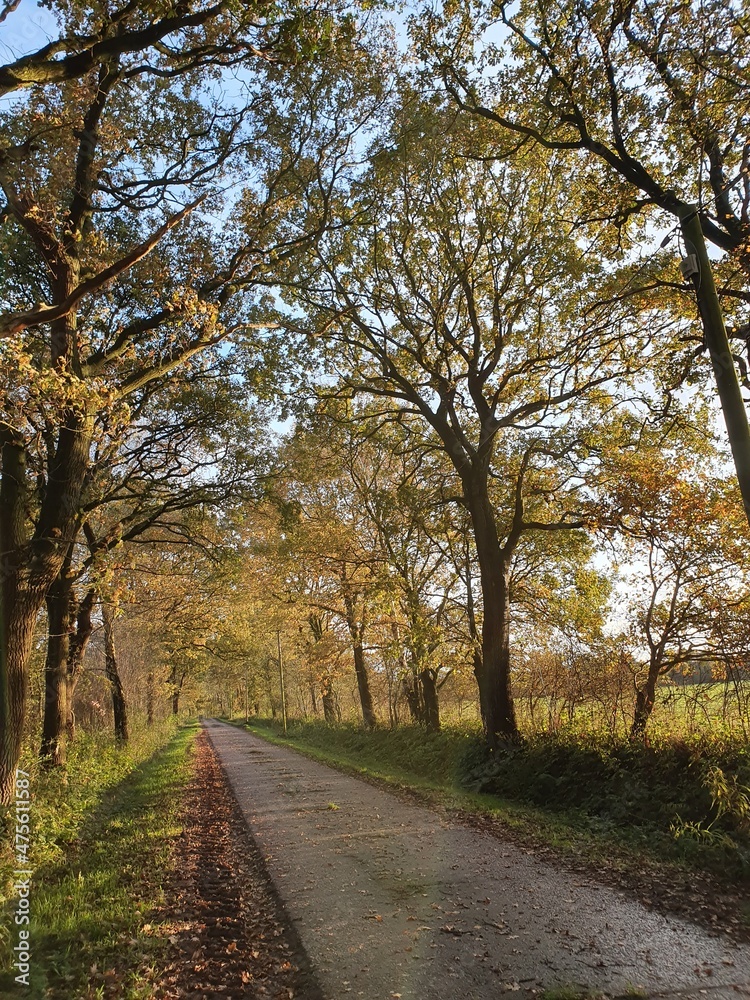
point(13, 323)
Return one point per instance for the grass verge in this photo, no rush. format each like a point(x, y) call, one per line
point(615, 805)
point(102, 841)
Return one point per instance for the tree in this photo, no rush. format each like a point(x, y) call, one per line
point(684, 542)
point(457, 297)
point(195, 37)
point(254, 621)
point(180, 455)
point(650, 101)
point(175, 586)
point(655, 94)
point(329, 562)
point(119, 706)
point(121, 137)
point(395, 480)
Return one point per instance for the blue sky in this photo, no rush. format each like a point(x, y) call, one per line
point(25, 30)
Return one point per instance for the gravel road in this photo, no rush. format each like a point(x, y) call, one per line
point(393, 900)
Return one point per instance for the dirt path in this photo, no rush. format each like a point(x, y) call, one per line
point(392, 900)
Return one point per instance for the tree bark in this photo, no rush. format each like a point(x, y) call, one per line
point(363, 686)
point(428, 680)
point(15, 648)
point(29, 566)
point(493, 670)
point(328, 697)
point(413, 699)
point(176, 679)
point(119, 706)
point(719, 350)
point(645, 697)
point(150, 698)
point(79, 640)
point(60, 599)
point(66, 646)
point(356, 631)
point(19, 604)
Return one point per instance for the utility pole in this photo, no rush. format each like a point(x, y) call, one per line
point(697, 268)
point(281, 679)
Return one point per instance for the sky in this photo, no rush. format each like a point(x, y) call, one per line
point(25, 30)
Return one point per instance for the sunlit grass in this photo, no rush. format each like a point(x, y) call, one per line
point(102, 844)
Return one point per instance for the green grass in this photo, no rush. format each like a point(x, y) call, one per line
point(617, 802)
point(567, 993)
point(102, 842)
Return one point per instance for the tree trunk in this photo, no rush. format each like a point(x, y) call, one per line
point(177, 680)
point(150, 697)
point(328, 697)
point(413, 699)
point(18, 609)
point(79, 640)
point(356, 631)
point(329, 707)
point(428, 680)
point(119, 707)
point(29, 566)
point(493, 672)
point(645, 696)
point(363, 686)
point(60, 599)
point(15, 648)
point(407, 677)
